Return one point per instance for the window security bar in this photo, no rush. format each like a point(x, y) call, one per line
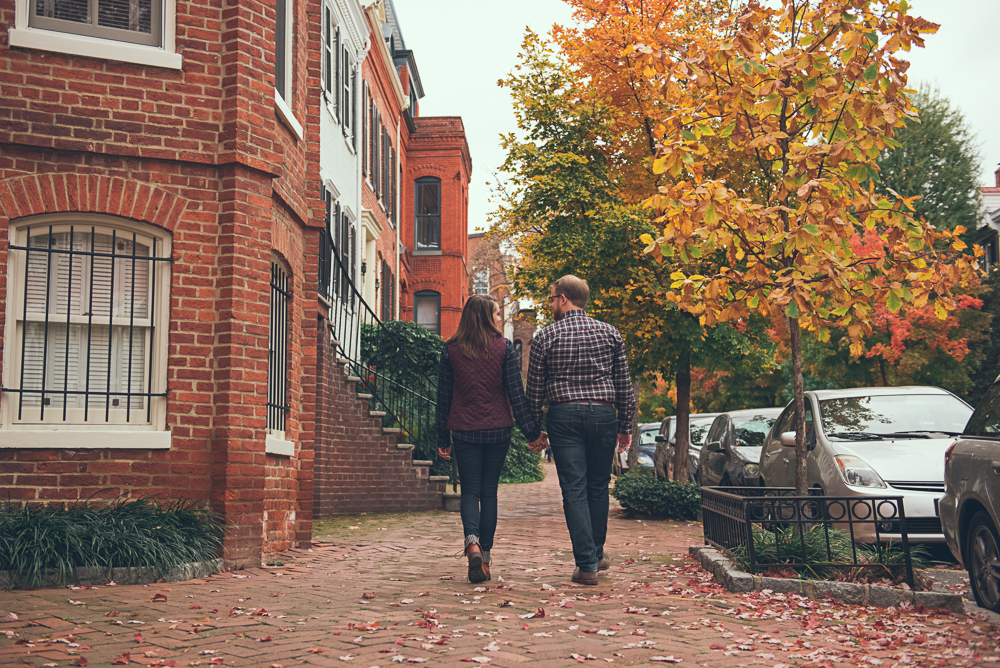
point(277, 350)
point(87, 323)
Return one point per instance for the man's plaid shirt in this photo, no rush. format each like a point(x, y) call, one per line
point(515, 395)
point(579, 358)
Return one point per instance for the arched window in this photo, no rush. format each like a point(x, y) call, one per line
point(427, 213)
point(87, 321)
point(427, 310)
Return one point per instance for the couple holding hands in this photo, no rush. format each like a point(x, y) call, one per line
point(578, 365)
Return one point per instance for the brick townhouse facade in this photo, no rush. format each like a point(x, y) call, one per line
point(162, 217)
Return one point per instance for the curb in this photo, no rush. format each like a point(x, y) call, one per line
point(738, 582)
point(452, 501)
point(121, 576)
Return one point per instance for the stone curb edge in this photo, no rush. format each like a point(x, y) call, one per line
point(739, 582)
point(121, 576)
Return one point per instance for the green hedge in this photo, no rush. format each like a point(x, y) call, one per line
point(642, 492)
point(127, 533)
point(522, 464)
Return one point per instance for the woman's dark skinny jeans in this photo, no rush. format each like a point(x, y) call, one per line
point(479, 467)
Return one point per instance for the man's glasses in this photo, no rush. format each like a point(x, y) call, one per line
point(551, 297)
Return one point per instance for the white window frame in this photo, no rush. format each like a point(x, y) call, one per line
point(283, 98)
point(481, 276)
point(25, 36)
point(137, 433)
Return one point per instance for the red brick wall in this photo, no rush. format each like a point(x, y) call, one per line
point(438, 148)
point(358, 469)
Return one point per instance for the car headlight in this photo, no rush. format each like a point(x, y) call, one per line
point(857, 473)
point(751, 470)
point(645, 460)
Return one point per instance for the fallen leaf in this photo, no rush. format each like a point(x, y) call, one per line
point(138, 638)
point(158, 597)
point(315, 650)
point(81, 661)
point(122, 660)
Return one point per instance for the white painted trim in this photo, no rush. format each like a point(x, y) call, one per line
point(85, 440)
point(370, 223)
point(286, 115)
point(278, 446)
point(22, 35)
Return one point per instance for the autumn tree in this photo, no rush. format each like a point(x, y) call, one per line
point(811, 92)
point(564, 211)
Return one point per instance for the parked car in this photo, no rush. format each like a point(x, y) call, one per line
point(646, 445)
point(647, 442)
point(698, 425)
point(731, 454)
point(873, 441)
point(970, 507)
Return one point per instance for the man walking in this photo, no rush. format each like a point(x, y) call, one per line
point(579, 365)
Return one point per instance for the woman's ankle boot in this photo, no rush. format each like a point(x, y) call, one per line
point(475, 556)
point(487, 560)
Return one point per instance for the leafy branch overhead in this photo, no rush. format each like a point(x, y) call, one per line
point(805, 97)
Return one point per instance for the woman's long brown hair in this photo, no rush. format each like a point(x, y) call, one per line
point(476, 330)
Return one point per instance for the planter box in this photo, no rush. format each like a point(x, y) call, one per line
point(121, 576)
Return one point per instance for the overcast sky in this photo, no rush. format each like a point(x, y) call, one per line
point(463, 47)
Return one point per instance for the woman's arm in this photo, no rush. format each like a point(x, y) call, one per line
point(515, 395)
point(445, 386)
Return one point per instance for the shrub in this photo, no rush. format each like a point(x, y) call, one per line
point(522, 464)
point(129, 533)
point(641, 492)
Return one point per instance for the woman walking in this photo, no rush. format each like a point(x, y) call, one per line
point(479, 385)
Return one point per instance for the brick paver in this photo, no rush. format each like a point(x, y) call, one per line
point(390, 591)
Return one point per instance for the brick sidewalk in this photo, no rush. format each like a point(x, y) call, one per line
point(387, 590)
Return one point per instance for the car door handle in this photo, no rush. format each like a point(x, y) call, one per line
point(996, 466)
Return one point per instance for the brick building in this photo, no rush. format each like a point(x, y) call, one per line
point(166, 187)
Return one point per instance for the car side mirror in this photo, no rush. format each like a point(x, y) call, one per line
point(787, 438)
point(715, 446)
point(660, 439)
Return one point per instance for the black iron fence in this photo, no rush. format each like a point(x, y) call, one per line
point(771, 528)
point(398, 383)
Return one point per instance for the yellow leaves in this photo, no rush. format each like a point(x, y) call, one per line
point(940, 310)
point(646, 239)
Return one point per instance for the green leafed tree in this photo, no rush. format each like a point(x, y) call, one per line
point(937, 160)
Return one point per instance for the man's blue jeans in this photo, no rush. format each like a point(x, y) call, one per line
point(583, 439)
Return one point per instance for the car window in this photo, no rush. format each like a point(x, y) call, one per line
point(751, 431)
point(872, 416)
point(787, 419)
point(699, 429)
point(648, 437)
point(985, 421)
point(717, 428)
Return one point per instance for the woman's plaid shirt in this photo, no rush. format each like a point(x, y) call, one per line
point(579, 358)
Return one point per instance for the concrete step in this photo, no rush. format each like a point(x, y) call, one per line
point(366, 397)
point(404, 446)
point(341, 360)
point(438, 478)
point(422, 462)
point(376, 413)
point(395, 431)
point(354, 379)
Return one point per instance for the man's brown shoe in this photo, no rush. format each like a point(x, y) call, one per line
point(604, 564)
point(476, 570)
point(584, 577)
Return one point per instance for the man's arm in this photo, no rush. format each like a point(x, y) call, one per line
point(624, 395)
point(536, 377)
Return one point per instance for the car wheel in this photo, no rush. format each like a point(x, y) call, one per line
point(983, 559)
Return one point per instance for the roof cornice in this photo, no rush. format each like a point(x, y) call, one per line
point(376, 13)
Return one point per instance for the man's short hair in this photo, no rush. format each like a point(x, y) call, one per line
point(576, 290)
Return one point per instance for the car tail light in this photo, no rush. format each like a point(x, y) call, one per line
point(947, 454)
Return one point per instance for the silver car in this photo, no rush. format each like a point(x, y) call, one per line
point(698, 425)
point(731, 454)
point(873, 441)
point(970, 507)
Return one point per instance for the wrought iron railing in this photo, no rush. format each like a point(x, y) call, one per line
point(771, 527)
point(388, 372)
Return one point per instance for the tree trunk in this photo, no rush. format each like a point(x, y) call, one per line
point(881, 368)
point(800, 407)
point(633, 450)
point(683, 419)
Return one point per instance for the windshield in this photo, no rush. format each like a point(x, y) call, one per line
point(910, 415)
point(751, 431)
point(648, 436)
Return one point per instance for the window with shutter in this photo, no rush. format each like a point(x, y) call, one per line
point(327, 51)
point(335, 94)
point(87, 323)
point(346, 83)
point(364, 128)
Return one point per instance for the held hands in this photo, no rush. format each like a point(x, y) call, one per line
point(445, 453)
point(624, 441)
point(540, 444)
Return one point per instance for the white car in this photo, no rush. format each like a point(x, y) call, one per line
point(873, 441)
